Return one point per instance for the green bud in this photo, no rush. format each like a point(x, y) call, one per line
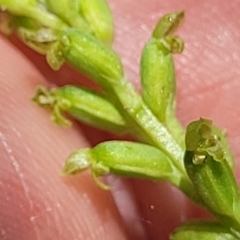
point(158, 75)
point(68, 11)
point(63, 8)
point(168, 24)
point(17, 7)
point(99, 17)
point(158, 78)
point(122, 158)
point(158, 82)
point(31, 10)
point(90, 56)
point(82, 104)
point(207, 167)
point(202, 230)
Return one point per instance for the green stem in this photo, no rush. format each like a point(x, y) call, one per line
point(146, 128)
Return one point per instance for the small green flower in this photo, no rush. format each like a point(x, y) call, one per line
point(82, 104)
point(121, 158)
point(206, 165)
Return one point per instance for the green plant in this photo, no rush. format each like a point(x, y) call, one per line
point(196, 165)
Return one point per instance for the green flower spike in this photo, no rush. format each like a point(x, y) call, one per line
point(90, 56)
point(76, 32)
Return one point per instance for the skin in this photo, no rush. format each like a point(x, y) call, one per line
point(37, 203)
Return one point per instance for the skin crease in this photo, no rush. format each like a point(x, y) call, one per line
point(37, 203)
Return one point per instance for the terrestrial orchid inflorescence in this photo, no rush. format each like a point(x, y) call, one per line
point(80, 33)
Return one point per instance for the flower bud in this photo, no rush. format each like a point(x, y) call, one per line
point(158, 82)
point(17, 7)
point(99, 17)
point(68, 11)
point(31, 10)
point(90, 56)
point(158, 78)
